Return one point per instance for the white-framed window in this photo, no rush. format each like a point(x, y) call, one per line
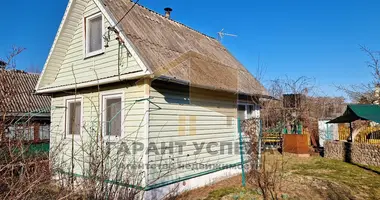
point(113, 115)
point(94, 31)
point(247, 111)
point(74, 114)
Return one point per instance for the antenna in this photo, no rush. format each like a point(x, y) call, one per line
point(221, 34)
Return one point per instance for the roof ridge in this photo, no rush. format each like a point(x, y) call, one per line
point(184, 25)
point(14, 70)
point(21, 72)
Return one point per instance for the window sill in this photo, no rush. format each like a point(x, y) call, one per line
point(93, 54)
point(76, 137)
point(111, 138)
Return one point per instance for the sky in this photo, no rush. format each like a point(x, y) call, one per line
point(319, 39)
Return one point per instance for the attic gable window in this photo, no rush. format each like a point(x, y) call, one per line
point(94, 30)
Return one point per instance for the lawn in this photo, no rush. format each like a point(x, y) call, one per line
point(303, 178)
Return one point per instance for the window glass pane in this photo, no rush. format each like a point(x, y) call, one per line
point(241, 112)
point(95, 34)
point(250, 111)
point(113, 117)
point(74, 109)
point(44, 132)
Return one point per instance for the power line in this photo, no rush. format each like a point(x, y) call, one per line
point(126, 13)
point(106, 36)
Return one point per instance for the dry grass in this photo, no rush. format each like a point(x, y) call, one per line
point(304, 178)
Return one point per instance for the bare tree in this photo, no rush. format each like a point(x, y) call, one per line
point(260, 70)
point(293, 103)
point(366, 93)
point(290, 105)
point(22, 172)
point(91, 167)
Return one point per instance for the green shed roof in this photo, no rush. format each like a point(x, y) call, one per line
point(359, 112)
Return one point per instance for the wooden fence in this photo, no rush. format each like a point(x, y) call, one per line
point(369, 135)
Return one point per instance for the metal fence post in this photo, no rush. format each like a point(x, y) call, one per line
point(259, 145)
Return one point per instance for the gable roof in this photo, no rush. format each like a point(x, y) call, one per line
point(17, 93)
point(174, 51)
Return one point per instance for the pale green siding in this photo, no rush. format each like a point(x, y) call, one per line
point(180, 114)
point(69, 54)
point(174, 113)
point(134, 125)
point(62, 42)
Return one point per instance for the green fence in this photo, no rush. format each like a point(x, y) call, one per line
point(39, 148)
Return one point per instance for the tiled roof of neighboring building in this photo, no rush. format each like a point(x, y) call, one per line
point(17, 93)
point(171, 49)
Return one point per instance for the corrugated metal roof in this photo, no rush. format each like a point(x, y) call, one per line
point(161, 42)
point(359, 112)
point(17, 93)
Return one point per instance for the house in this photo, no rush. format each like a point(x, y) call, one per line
point(24, 115)
point(145, 83)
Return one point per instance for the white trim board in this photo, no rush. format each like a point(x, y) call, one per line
point(68, 9)
point(196, 182)
point(147, 87)
point(114, 79)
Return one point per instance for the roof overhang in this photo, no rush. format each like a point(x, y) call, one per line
point(182, 82)
point(104, 81)
point(359, 112)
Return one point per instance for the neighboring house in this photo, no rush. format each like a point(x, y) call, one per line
point(147, 79)
point(24, 115)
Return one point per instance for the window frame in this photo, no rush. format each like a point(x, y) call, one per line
point(86, 35)
point(245, 111)
point(246, 105)
point(67, 101)
point(104, 97)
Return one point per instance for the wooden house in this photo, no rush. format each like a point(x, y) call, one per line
point(144, 78)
